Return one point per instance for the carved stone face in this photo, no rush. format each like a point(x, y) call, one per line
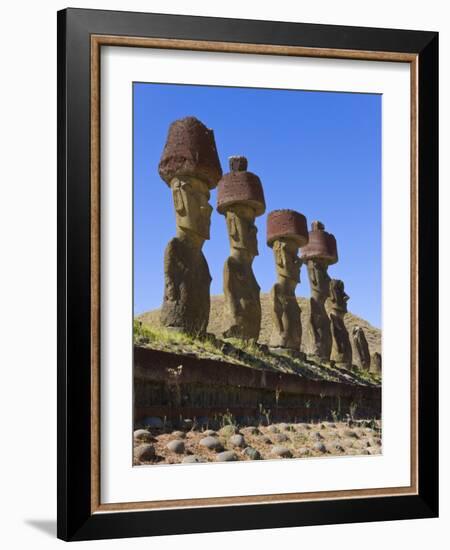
point(192, 209)
point(242, 229)
point(338, 296)
point(319, 279)
point(286, 259)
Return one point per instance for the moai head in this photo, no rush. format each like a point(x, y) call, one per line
point(241, 199)
point(319, 253)
point(190, 166)
point(319, 279)
point(242, 230)
point(286, 233)
point(192, 209)
point(338, 297)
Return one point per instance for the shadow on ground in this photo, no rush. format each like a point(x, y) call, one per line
point(47, 526)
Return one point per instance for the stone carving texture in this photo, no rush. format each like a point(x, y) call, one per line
point(318, 254)
point(190, 166)
point(341, 350)
point(375, 363)
point(360, 349)
point(240, 199)
point(286, 233)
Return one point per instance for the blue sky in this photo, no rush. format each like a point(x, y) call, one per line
point(316, 152)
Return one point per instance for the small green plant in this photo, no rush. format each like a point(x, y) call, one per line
point(352, 410)
point(373, 425)
point(277, 395)
point(264, 412)
point(228, 419)
point(335, 415)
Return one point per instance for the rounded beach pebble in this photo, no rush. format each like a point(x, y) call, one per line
point(210, 443)
point(237, 440)
point(226, 456)
point(252, 430)
point(144, 452)
point(252, 453)
point(143, 435)
point(176, 446)
point(320, 447)
point(281, 451)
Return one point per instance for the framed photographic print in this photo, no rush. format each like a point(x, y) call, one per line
point(247, 277)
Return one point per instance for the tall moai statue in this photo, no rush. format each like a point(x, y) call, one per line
point(375, 363)
point(318, 254)
point(191, 168)
point(341, 350)
point(286, 233)
point(240, 199)
point(360, 349)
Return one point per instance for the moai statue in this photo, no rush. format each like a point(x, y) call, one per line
point(191, 168)
point(360, 349)
point(240, 199)
point(286, 233)
point(341, 349)
point(318, 254)
point(375, 363)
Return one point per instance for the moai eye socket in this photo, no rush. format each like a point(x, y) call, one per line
point(178, 200)
point(234, 233)
point(186, 186)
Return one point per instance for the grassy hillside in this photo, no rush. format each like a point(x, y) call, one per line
point(373, 335)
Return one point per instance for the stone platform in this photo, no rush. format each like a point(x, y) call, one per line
point(174, 386)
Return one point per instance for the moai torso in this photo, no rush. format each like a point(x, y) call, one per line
point(375, 363)
point(190, 166)
point(360, 349)
point(186, 302)
point(286, 319)
point(341, 350)
point(242, 306)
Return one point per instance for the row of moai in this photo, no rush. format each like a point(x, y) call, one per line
point(191, 168)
